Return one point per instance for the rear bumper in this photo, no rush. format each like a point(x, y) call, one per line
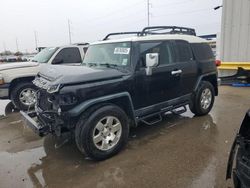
point(4, 91)
point(30, 119)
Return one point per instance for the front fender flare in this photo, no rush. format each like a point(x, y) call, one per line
point(80, 108)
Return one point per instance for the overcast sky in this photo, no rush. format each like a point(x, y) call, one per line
point(91, 20)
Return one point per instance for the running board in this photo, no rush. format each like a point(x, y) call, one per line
point(181, 111)
point(156, 117)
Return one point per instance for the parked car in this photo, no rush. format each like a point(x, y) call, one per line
point(15, 78)
point(123, 82)
point(240, 152)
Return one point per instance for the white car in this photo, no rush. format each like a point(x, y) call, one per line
point(16, 78)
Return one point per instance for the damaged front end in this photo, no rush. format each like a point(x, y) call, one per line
point(48, 116)
point(240, 149)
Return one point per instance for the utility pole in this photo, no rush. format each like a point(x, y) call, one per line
point(69, 31)
point(17, 45)
point(4, 46)
point(148, 13)
point(35, 34)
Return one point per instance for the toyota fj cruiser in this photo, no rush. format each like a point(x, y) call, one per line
point(123, 82)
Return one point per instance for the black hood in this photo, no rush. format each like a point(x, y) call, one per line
point(60, 74)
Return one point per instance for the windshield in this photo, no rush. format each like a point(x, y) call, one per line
point(109, 55)
point(44, 55)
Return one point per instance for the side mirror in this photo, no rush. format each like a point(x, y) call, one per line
point(57, 61)
point(152, 60)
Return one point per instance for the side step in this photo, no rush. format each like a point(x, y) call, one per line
point(180, 111)
point(156, 117)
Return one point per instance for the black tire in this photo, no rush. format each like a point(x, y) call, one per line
point(85, 129)
point(10, 108)
point(16, 91)
point(196, 107)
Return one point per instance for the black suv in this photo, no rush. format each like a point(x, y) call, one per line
point(122, 82)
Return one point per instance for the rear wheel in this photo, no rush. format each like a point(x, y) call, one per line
point(23, 95)
point(104, 133)
point(204, 99)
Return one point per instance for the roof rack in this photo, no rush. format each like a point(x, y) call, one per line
point(121, 33)
point(168, 30)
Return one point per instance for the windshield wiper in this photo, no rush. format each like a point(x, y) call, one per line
point(109, 65)
point(114, 66)
point(34, 60)
point(90, 64)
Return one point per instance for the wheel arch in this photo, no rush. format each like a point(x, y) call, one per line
point(15, 81)
point(212, 78)
point(122, 100)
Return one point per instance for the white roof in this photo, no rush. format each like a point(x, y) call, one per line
point(188, 38)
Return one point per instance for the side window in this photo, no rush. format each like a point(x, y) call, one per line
point(183, 51)
point(202, 51)
point(69, 55)
point(163, 48)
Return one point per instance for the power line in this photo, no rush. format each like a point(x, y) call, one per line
point(117, 10)
point(187, 12)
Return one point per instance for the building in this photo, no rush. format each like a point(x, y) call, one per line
point(235, 36)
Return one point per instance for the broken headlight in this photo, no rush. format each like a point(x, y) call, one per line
point(53, 88)
point(67, 99)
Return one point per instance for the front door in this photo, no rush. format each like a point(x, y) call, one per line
point(165, 82)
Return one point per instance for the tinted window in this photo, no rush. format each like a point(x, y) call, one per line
point(69, 55)
point(163, 48)
point(183, 51)
point(202, 51)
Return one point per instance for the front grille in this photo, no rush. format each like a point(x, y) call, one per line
point(42, 100)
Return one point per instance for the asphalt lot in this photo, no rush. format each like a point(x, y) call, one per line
point(182, 151)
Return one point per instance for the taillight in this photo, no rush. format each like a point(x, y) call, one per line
point(217, 63)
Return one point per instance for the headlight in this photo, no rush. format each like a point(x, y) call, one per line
point(53, 88)
point(67, 99)
point(1, 79)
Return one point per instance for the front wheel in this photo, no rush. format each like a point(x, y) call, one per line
point(104, 133)
point(203, 100)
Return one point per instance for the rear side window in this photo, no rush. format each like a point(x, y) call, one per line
point(69, 55)
point(183, 51)
point(202, 51)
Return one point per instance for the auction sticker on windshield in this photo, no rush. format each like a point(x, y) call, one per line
point(121, 50)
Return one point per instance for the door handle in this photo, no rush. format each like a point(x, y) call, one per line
point(176, 72)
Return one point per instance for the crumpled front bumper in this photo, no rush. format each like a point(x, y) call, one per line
point(30, 119)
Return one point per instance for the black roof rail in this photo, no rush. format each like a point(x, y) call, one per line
point(208, 37)
point(154, 30)
point(121, 33)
